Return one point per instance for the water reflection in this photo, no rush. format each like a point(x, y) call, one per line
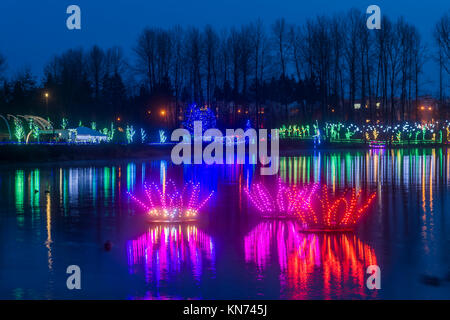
point(52, 215)
point(166, 251)
point(328, 265)
point(407, 167)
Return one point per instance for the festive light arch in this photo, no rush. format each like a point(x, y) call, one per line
point(7, 125)
point(41, 122)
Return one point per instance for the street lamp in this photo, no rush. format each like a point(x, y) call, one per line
point(46, 95)
point(162, 112)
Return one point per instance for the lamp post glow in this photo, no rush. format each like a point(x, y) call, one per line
point(46, 96)
point(163, 114)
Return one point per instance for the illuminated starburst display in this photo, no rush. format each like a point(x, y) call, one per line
point(313, 206)
point(322, 212)
point(283, 203)
point(166, 203)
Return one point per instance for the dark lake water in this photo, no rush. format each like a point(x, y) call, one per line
point(56, 215)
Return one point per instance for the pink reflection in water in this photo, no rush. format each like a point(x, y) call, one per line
point(330, 265)
point(165, 250)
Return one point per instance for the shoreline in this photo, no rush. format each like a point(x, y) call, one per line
point(34, 153)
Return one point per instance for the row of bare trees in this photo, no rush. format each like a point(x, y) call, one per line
point(442, 38)
point(345, 60)
point(320, 68)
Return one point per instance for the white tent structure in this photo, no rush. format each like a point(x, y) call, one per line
point(86, 135)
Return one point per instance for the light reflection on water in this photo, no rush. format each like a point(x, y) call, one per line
point(166, 249)
point(55, 215)
point(337, 262)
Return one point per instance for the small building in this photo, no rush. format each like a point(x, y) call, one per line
point(87, 135)
point(78, 135)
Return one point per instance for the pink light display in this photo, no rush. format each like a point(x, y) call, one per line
point(310, 260)
point(167, 204)
point(311, 205)
point(283, 203)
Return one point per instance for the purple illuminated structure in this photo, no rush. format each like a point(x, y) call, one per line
point(167, 204)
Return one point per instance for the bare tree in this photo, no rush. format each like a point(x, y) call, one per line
point(321, 47)
point(418, 51)
point(394, 55)
point(96, 67)
point(211, 42)
point(280, 36)
point(194, 54)
point(2, 66)
point(234, 46)
point(146, 51)
point(442, 38)
point(163, 55)
point(115, 61)
point(337, 53)
point(259, 44)
point(295, 43)
point(177, 64)
point(245, 43)
point(351, 55)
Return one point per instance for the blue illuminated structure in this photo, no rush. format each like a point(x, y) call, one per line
point(203, 114)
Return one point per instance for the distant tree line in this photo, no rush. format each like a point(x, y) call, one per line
point(322, 67)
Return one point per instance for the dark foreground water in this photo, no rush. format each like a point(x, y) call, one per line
point(53, 216)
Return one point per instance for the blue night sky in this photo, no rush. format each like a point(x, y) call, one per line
point(32, 31)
